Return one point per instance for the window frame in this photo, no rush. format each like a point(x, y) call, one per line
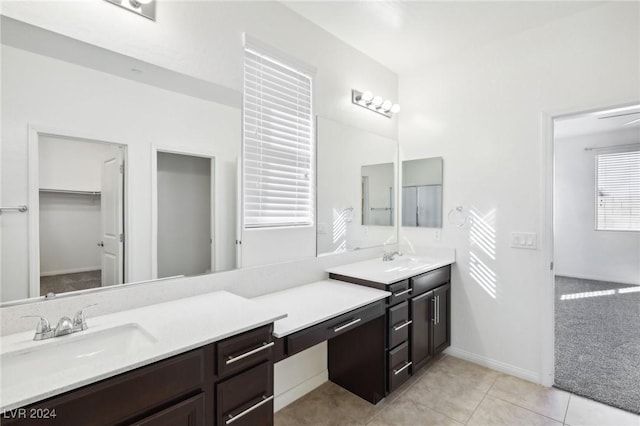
point(256, 47)
point(597, 226)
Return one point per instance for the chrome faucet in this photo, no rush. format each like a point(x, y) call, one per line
point(65, 325)
point(388, 256)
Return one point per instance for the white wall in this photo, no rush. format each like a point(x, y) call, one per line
point(381, 179)
point(482, 113)
point(423, 171)
point(71, 165)
point(68, 99)
point(69, 233)
point(184, 215)
point(579, 250)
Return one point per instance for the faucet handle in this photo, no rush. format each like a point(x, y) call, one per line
point(79, 320)
point(43, 329)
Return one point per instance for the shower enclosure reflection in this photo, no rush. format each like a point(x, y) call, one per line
point(422, 193)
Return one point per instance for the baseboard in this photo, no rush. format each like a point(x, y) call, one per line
point(286, 398)
point(596, 278)
point(502, 367)
point(70, 271)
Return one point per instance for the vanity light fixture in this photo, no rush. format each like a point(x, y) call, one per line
point(374, 103)
point(146, 8)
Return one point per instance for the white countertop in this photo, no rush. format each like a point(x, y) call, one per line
point(396, 270)
point(177, 326)
point(314, 303)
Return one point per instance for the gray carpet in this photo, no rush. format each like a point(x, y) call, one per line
point(598, 341)
point(70, 282)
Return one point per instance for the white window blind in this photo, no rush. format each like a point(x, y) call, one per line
point(618, 191)
point(278, 146)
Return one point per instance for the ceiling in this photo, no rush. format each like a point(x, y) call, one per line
point(405, 35)
point(598, 122)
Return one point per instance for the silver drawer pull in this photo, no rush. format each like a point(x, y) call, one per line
point(233, 418)
point(401, 293)
point(265, 345)
point(349, 324)
point(396, 372)
point(400, 327)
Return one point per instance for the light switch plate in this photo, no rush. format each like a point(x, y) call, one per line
point(524, 240)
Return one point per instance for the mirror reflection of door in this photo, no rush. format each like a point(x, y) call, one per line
point(185, 214)
point(377, 194)
point(81, 214)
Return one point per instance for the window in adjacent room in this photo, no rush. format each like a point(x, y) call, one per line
point(618, 191)
point(278, 143)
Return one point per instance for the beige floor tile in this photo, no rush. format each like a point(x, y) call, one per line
point(496, 412)
point(446, 394)
point(585, 412)
point(474, 376)
point(327, 405)
point(405, 412)
point(549, 402)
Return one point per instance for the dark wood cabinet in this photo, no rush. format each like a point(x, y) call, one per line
point(186, 413)
point(441, 324)
point(196, 388)
point(418, 321)
point(421, 330)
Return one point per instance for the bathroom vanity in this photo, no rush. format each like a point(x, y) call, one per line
point(207, 365)
point(417, 313)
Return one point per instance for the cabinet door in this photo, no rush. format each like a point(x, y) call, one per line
point(421, 315)
point(185, 413)
point(441, 324)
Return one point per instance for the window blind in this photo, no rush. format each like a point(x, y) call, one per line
point(278, 144)
point(618, 191)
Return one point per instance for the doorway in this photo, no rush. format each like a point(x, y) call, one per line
point(596, 254)
point(185, 185)
point(79, 229)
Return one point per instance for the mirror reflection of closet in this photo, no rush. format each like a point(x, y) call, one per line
point(422, 193)
point(81, 214)
point(185, 214)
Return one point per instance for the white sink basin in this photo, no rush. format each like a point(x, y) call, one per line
point(399, 268)
point(79, 351)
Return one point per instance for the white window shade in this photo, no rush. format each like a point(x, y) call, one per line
point(618, 191)
point(278, 144)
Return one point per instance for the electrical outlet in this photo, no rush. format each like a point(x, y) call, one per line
point(437, 235)
point(524, 240)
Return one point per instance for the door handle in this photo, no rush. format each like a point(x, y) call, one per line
point(100, 244)
point(435, 310)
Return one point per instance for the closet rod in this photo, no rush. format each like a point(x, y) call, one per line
point(20, 209)
point(598, 148)
point(69, 191)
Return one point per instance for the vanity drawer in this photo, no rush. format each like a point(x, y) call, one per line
point(428, 281)
point(399, 324)
point(400, 292)
point(326, 330)
point(245, 350)
point(246, 399)
point(399, 366)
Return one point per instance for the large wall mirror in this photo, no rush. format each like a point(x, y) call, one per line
point(422, 193)
point(356, 189)
point(129, 172)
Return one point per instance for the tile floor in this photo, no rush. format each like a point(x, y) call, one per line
point(454, 392)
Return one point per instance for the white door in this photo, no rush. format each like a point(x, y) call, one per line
point(112, 220)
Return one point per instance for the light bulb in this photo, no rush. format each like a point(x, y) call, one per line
point(395, 108)
point(367, 96)
point(377, 101)
point(386, 105)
